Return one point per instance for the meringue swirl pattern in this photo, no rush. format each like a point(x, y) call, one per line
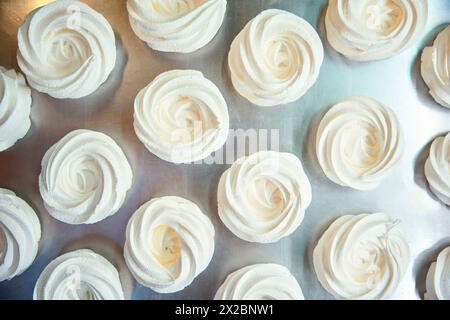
point(20, 232)
point(367, 30)
point(437, 168)
point(176, 25)
point(361, 257)
point(79, 275)
point(85, 177)
point(438, 278)
point(260, 282)
point(15, 108)
point(66, 49)
point(169, 242)
point(435, 68)
point(358, 143)
point(181, 116)
point(263, 197)
point(275, 59)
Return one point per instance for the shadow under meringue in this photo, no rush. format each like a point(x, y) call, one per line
point(423, 262)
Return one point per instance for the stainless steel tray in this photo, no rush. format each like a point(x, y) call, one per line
point(396, 82)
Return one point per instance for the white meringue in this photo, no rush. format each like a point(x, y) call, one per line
point(361, 257)
point(358, 143)
point(79, 275)
point(275, 59)
point(85, 177)
point(20, 232)
point(438, 278)
point(66, 49)
point(181, 116)
point(263, 197)
point(15, 108)
point(260, 282)
point(366, 30)
point(435, 68)
point(437, 168)
point(176, 25)
point(169, 242)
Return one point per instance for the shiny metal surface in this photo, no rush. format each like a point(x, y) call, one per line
point(395, 82)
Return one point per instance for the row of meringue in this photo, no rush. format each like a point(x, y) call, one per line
point(86, 275)
point(262, 198)
point(67, 49)
point(169, 242)
point(358, 257)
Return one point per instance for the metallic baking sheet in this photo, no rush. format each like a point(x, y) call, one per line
point(395, 82)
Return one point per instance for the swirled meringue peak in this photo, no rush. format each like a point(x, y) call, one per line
point(361, 257)
point(275, 59)
point(263, 197)
point(85, 177)
point(358, 143)
point(20, 232)
point(181, 116)
point(367, 30)
point(169, 242)
point(260, 282)
point(437, 168)
point(435, 68)
point(176, 25)
point(79, 275)
point(66, 49)
point(438, 278)
point(15, 108)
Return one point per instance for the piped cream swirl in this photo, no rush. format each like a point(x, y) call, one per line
point(169, 242)
point(358, 143)
point(275, 59)
point(438, 278)
point(66, 49)
point(263, 197)
point(15, 108)
point(85, 177)
point(20, 232)
point(181, 116)
point(366, 30)
point(260, 282)
point(176, 25)
point(437, 168)
point(435, 68)
point(79, 275)
point(361, 257)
